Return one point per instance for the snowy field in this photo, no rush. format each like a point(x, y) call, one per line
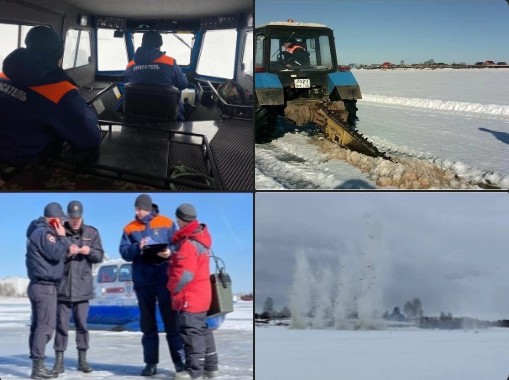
point(397, 354)
point(456, 119)
point(118, 355)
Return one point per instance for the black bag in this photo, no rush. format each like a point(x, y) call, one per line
point(222, 296)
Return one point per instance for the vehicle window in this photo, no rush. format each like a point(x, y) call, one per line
point(217, 57)
point(13, 37)
point(247, 55)
point(111, 51)
point(107, 274)
point(176, 45)
point(316, 49)
point(77, 50)
point(259, 51)
point(124, 274)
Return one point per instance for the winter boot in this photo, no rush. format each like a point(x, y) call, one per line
point(211, 374)
point(39, 371)
point(58, 367)
point(186, 376)
point(82, 362)
point(149, 370)
point(179, 367)
point(182, 375)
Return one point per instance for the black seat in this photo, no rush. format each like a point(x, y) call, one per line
point(150, 103)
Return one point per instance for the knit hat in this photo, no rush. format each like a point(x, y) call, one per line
point(152, 39)
point(75, 209)
point(53, 210)
point(143, 202)
point(44, 42)
point(186, 212)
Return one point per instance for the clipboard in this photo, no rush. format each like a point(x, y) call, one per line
point(153, 247)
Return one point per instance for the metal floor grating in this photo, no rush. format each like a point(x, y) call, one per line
point(233, 148)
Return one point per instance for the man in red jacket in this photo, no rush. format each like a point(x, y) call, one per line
point(189, 285)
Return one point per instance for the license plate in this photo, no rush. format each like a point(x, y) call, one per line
point(302, 83)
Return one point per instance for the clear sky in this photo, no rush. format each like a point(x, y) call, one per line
point(228, 216)
point(447, 248)
point(375, 31)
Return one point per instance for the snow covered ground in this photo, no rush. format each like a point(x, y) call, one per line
point(118, 355)
point(395, 354)
point(456, 119)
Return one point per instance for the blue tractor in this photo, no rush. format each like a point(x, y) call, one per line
point(297, 77)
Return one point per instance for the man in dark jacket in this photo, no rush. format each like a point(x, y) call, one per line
point(145, 243)
point(189, 285)
point(39, 106)
point(76, 288)
point(152, 66)
point(46, 250)
point(295, 55)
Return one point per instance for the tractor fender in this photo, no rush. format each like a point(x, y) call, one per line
point(269, 89)
point(345, 84)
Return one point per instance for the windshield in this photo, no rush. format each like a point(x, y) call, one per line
point(176, 45)
point(292, 51)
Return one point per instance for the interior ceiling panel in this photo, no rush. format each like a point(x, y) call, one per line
point(157, 9)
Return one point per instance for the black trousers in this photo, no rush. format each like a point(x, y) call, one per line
point(43, 299)
point(148, 298)
point(199, 343)
point(80, 315)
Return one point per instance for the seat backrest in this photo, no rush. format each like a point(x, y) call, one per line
point(150, 103)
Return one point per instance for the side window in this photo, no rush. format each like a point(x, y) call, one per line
point(259, 51)
point(217, 57)
point(77, 51)
point(176, 45)
point(111, 51)
point(124, 274)
point(13, 37)
point(247, 55)
point(107, 274)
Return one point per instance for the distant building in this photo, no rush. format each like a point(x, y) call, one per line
point(387, 65)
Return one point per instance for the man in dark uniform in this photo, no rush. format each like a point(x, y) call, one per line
point(39, 106)
point(46, 250)
point(152, 66)
point(145, 243)
point(76, 288)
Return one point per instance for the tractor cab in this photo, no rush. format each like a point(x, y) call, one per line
point(295, 68)
point(301, 55)
point(143, 145)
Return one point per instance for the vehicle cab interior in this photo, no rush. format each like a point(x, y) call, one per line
point(153, 136)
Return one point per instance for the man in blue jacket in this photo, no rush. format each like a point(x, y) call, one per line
point(46, 250)
point(151, 66)
point(145, 243)
point(76, 288)
point(39, 105)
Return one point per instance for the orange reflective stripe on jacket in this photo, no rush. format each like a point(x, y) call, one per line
point(54, 91)
point(292, 49)
point(165, 60)
point(3, 76)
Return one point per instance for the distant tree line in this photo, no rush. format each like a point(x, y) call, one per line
point(270, 313)
point(7, 290)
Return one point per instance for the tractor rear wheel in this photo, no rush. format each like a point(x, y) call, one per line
point(265, 122)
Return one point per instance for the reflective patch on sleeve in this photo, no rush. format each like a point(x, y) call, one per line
point(55, 91)
point(51, 238)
